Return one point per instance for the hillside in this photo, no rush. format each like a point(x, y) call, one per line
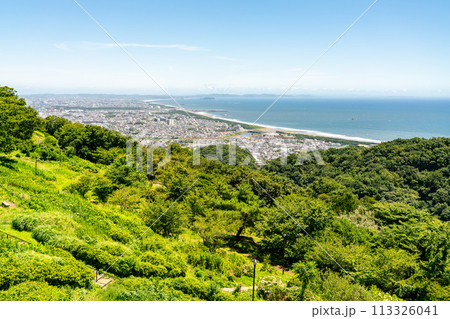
point(370, 224)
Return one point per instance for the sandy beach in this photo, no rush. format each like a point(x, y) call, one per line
point(283, 129)
point(274, 128)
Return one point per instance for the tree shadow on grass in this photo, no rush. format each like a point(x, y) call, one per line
point(7, 162)
point(245, 245)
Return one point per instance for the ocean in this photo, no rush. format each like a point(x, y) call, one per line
point(374, 119)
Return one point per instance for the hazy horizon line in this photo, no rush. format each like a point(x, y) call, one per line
point(305, 95)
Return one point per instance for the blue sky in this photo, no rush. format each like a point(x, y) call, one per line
point(400, 47)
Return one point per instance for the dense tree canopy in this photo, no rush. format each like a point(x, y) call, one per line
point(415, 171)
point(17, 120)
point(362, 226)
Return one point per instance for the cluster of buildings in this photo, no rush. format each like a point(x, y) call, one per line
point(143, 120)
point(154, 124)
point(264, 146)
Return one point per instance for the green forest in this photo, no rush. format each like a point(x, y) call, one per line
point(81, 220)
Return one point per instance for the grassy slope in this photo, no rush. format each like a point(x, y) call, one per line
point(42, 197)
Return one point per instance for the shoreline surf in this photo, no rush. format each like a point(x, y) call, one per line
point(292, 130)
point(280, 128)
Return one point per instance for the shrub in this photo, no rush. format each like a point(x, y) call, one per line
point(206, 260)
point(146, 269)
point(120, 235)
point(234, 262)
point(69, 151)
point(192, 286)
point(24, 223)
point(175, 271)
point(34, 291)
point(175, 268)
point(124, 266)
point(153, 258)
point(43, 234)
point(114, 249)
point(139, 289)
point(33, 266)
point(102, 188)
point(336, 288)
point(93, 256)
point(81, 186)
point(153, 243)
point(272, 288)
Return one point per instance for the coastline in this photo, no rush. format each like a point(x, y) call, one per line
point(279, 128)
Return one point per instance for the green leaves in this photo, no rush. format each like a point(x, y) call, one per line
point(17, 121)
point(89, 142)
point(212, 227)
point(32, 266)
point(165, 218)
point(34, 291)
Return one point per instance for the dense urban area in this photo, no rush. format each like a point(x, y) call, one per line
point(155, 124)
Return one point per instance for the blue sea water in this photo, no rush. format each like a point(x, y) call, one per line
point(377, 119)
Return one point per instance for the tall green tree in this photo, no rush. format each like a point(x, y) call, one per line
point(212, 227)
point(283, 228)
point(17, 120)
point(165, 218)
point(249, 208)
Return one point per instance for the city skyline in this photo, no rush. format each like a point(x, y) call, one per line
point(235, 48)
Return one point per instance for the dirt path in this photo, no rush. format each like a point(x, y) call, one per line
point(7, 204)
point(242, 288)
point(100, 280)
point(280, 268)
point(14, 238)
point(104, 281)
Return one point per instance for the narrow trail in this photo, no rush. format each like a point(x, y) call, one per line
point(100, 280)
point(7, 204)
point(250, 256)
point(241, 289)
point(14, 238)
